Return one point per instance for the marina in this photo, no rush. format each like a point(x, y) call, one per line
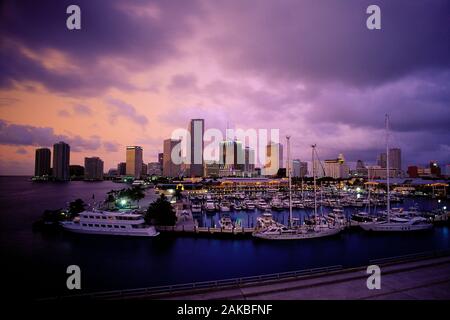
point(182, 253)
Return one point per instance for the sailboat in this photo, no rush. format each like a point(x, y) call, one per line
point(395, 224)
point(297, 232)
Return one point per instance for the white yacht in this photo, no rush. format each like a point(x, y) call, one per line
point(284, 233)
point(398, 224)
point(226, 222)
point(224, 206)
point(210, 206)
point(110, 223)
point(196, 208)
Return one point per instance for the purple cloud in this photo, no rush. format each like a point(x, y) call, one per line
point(24, 135)
point(135, 32)
point(119, 108)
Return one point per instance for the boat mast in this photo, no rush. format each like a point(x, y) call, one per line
point(314, 176)
point(289, 178)
point(387, 169)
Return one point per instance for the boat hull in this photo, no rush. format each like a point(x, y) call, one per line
point(144, 232)
point(390, 227)
point(298, 236)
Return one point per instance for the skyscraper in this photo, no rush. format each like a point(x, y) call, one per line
point(93, 168)
point(134, 161)
point(295, 168)
point(381, 161)
point(61, 160)
point(249, 164)
point(122, 169)
point(395, 159)
point(42, 162)
point(195, 153)
point(232, 158)
point(171, 168)
point(274, 158)
point(303, 169)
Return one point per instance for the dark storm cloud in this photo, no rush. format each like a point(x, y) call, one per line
point(328, 40)
point(25, 135)
point(136, 32)
point(415, 104)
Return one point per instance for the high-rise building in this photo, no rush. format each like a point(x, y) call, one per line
point(395, 159)
point(144, 170)
point(195, 153)
point(93, 168)
point(154, 169)
point(299, 168)
point(274, 159)
point(134, 161)
point(171, 168)
point(122, 168)
point(61, 160)
point(336, 168)
point(381, 161)
point(296, 163)
point(249, 162)
point(42, 162)
point(231, 156)
point(303, 169)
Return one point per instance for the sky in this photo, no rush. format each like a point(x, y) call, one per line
point(137, 70)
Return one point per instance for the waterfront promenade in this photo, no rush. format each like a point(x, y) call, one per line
point(420, 276)
point(421, 279)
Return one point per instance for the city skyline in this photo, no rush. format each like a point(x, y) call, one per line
point(99, 95)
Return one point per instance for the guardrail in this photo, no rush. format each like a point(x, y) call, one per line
point(413, 256)
point(129, 293)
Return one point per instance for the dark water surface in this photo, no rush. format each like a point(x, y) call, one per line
point(35, 263)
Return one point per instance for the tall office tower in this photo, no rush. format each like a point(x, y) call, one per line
point(395, 159)
point(336, 168)
point(61, 160)
point(195, 153)
point(134, 161)
point(303, 169)
point(144, 170)
point(274, 158)
point(381, 161)
point(231, 157)
point(122, 168)
point(249, 162)
point(93, 168)
point(296, 165)
point(42, 162)
point(171, 168)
